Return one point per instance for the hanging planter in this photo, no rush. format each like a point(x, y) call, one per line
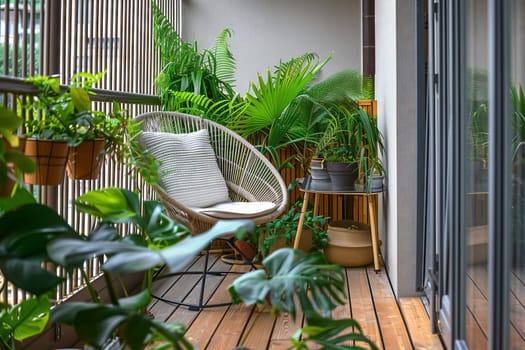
point(50, 158)
point(85, 160)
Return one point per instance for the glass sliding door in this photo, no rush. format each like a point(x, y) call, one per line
point(476, 174)
point(517, 111)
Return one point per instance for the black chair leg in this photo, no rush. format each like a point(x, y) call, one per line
point(201, 304)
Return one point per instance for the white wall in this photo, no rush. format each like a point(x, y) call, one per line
point(266, 31)
point(396, 100)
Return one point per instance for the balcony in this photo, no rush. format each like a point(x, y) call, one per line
point(431, 264)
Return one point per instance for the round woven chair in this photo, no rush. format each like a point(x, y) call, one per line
point(249, 176)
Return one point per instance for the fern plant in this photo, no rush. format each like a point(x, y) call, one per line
point(187, 68)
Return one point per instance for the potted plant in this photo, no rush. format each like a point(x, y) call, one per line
point(350, 136)
point(63, 118)
point(281, 231)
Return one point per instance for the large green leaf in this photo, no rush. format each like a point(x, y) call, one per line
point(176, 257)
point(80, 98)
point(8, 119)
point(20, 197)
point(22, 237)
point(29, 275)
point(110, 204)
point(328, 334)
point(288, 277)
point(30, 317)
point(95, 323)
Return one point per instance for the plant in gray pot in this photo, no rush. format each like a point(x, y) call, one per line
point(350, 136)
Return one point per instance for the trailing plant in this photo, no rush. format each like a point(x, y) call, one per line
point(285, 227)
point(291, 279)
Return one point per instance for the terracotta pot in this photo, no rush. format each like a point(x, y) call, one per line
point(246, 248)
point(85, 160)
point(50, 158)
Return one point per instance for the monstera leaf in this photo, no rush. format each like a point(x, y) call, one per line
point(289, 276)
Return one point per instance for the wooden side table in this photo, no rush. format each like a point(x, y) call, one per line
point(317, 188)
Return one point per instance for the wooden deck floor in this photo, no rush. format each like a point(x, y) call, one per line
point(390, 324)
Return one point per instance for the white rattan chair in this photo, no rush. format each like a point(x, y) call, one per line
point(249, 176)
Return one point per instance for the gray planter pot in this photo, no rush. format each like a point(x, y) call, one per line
point(342, 175)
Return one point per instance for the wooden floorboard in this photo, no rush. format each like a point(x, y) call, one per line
point(392, 325)
point(362, 305)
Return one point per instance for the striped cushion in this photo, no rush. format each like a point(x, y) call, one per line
point(189, 172)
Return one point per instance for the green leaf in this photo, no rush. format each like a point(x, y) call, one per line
point(22, 237)
point(288, 277)
point(110, 204)
point(136, 331)
point(73, 252)
point(8, 119)
point(29, 275)
point(176, 257)
point(136, 302)
point(80, 98)
point(96, 326)
point(20, 197)
point(30, 317)
point(21, 161)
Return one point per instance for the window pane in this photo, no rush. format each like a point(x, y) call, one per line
point(477, 161)
point(517, 276)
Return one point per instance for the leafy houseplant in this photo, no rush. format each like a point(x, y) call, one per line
point(27, 244)
point(281, 231)
point(290, 279)
point(351, 139)
point(65, 117)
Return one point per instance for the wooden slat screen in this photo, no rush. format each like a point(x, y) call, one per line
point(66, 37)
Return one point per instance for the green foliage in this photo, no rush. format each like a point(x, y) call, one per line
point(23, 320)
point(186, 68)
point(154, 240)
point(272, 106)
point(12, 161)
point(285, 227)
point(328, 334)
point(350, 136)
point(291, 279)
point(67, 115)
point(287, 279)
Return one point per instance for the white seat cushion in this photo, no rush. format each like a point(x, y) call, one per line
point(189, 172)
point(236, 210)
